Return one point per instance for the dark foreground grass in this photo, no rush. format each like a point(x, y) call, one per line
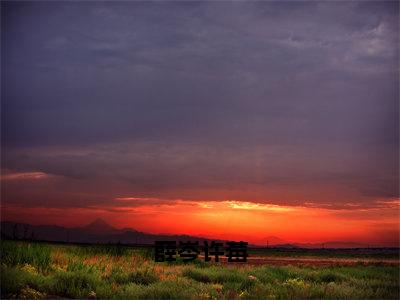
point(33, 271)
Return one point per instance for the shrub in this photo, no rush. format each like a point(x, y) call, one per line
point(217, 275)
point(12, 281)
point(330, 277)
point(177, 289)
point(142, 277)
point(75, 284)
point(29, 293)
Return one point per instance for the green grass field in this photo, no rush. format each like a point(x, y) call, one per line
point(37, 270)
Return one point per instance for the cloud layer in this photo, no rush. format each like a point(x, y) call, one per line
point(279, 103)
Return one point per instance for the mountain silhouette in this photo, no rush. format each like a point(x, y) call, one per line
point(100, 227)
point(99, 231)
point(272, 240)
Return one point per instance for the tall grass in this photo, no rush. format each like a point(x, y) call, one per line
point(144, 276)
point(106, 249)
point(35, 270)
point(37, 255)
point(76, 284)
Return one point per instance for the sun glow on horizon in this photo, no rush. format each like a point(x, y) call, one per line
point(231, 219)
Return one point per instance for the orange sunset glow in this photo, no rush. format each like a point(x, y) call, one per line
point(254, 222)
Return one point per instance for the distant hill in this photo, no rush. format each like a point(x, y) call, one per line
point(100, 227)
point(97, 231)
point(272, 240)
point(333, 245)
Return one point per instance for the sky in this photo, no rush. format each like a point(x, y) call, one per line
point(240, 120)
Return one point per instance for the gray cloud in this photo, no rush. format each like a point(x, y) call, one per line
point(234, 99)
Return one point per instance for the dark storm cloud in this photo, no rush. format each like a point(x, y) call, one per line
point(166, 98)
